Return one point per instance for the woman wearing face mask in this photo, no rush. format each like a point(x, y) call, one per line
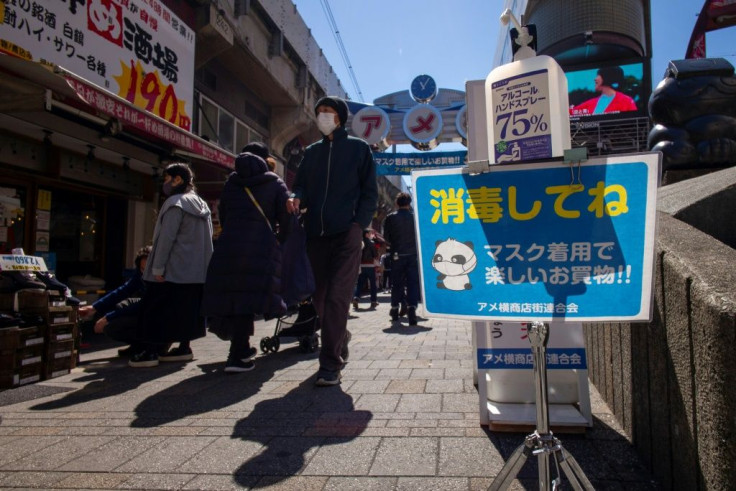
point(175, 272)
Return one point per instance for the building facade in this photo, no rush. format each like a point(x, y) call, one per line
point(99, 96)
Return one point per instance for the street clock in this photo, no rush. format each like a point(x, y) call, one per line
point(423, 88)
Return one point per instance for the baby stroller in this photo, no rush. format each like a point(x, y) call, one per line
point(304, 327)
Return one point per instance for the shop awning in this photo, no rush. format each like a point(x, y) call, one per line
point(67, 89)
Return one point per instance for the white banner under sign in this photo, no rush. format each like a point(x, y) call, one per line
point(15, 262)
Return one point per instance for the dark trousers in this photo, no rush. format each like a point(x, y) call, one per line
point(386, 279)
point(123, 328)
point(370, 275)
point(169, 313)
point(335, 260)
point(405, 274)
point(242, 328)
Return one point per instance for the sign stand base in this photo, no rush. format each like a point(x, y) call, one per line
point(542, 442)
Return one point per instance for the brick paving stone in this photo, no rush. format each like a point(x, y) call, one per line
point(394, 374)
point(92, 480)
point(341, 457)
point(406, 387)
point(442, 431)
point(43, 480)
point(460, 402)
point(113, 454)
point(360, 483)
point(221, 482)
point(445, 386)
point(224, 455)
point(431, 483)
point(167, 456)
point(156, 481)
point(369, 386)
point(378, 402)
point(427, 403)
point(56, 455)
point(386, 364)
point(470, 457)
point(427, 373)
point(406, 457)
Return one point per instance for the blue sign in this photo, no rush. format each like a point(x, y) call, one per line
point(522, 358)
point(541, 241)
point(403, 163)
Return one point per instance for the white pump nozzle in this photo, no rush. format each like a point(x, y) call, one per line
point(507, 16)
point(524, 39)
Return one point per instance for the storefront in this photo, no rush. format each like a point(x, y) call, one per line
point(80, 170)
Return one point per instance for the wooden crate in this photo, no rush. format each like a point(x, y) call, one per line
point(58, 367)
point(14, 359)
point(21, 376)
point(58, 350)
point(61, 332)
point(22, 337)
point(61, 315)
point(25, 301)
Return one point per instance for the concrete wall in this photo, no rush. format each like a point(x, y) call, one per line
point(672, 382)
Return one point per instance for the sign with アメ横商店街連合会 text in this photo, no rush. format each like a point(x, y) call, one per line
point(539, 241)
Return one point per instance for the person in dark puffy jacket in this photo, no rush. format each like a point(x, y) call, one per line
point(244, 274)
point(336, 186)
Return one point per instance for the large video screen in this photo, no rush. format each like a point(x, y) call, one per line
point(607, 89)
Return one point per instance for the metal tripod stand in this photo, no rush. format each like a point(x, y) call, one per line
point(542, 443)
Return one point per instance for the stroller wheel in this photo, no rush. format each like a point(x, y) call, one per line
point(265, 343)
point(275, 344)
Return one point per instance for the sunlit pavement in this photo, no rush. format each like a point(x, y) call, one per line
point(406, 416)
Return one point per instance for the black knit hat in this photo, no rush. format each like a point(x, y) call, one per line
point(337, 104)
point(256, 148)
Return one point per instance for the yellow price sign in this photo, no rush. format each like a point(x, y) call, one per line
point(43, 201)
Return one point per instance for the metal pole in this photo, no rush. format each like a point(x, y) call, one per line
point(538, 335)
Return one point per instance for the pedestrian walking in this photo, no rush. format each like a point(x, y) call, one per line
point(175, 272)
point(399, 232)
point(386, 267)
point(244, 275)
point(368, 260)
point(336, 187)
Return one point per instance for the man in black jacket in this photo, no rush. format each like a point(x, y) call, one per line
point(398, 230)
point(335, 186)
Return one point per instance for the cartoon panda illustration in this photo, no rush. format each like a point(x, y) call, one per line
point(454, 260)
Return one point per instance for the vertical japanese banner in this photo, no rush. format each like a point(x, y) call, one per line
point(136, 49)
point(540, 241)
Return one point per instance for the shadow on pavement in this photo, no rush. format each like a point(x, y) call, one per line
point(405, 329)
point(212, 390)
point(604, 455)
point(305, 418)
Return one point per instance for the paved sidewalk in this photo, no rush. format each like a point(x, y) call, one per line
point(404, 418)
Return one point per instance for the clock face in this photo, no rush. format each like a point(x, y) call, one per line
point(423, 88)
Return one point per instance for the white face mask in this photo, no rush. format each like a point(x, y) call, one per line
point(326, 123)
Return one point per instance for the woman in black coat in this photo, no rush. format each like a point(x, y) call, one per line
point(244, 274)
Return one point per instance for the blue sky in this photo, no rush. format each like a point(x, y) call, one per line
point(389, 42)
